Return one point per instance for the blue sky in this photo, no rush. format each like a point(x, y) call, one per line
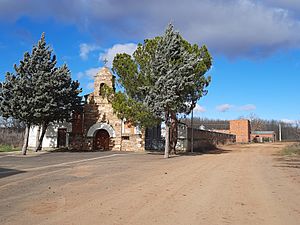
point(255, 44)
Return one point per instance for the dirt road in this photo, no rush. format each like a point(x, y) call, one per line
point(244, 184)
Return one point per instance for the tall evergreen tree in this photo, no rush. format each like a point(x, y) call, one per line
point(16, 98)
point(39, 93)
point(125, 107)
point(166, 74)
point(179, 82)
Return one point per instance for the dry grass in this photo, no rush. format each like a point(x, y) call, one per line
point(8, 148)
point(291, 150)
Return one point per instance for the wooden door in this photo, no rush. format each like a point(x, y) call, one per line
point(101, 140)
point(61, 137)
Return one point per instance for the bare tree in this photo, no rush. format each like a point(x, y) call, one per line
point(257, 124)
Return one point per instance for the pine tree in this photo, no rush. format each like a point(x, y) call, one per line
point(16, 99)
point(166, 74)
point(39, 93)
point(59, 94)
point(125, 107)
point(178, 81)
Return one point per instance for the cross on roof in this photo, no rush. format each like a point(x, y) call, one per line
point(105, 61)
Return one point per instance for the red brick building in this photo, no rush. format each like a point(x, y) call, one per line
point(242, 130)
point(263, 136)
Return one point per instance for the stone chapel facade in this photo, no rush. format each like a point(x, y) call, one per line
point(95, 127)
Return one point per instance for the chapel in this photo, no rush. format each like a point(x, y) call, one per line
point(95, 126)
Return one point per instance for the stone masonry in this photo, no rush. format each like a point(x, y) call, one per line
point(97, 114)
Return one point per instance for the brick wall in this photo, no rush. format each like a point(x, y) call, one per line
point(242, 130)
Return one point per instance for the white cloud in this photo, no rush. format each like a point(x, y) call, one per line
point(85, 49)
point(110, 53)
point(199, 109)
point(248, 107)
point(288, 121)
point(89, 73)
point(92, 72)
point(227, 27)
point(224, 107)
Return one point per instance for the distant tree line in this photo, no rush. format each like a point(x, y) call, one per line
point(289, 131)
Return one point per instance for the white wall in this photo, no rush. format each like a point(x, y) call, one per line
point(50, 138)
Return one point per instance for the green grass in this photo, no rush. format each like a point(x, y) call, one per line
point(292, 150)
point(8, 148)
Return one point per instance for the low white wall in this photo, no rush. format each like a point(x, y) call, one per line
point(50, 138)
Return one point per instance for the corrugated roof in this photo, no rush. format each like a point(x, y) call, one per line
point(262, 132)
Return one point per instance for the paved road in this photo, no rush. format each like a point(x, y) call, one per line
point(41, 164)
point(37, 161)
point(244, 184)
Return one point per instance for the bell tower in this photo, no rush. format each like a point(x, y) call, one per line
point(104, 76)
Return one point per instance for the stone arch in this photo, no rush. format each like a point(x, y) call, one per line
point(101, 140)
point(103, 126)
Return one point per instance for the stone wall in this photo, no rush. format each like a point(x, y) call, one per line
point(203, 139)
point(133, 142)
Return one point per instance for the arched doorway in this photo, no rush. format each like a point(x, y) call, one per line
point(101, 140)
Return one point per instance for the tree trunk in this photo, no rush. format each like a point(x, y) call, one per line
point(167, 142)
point(39, 146)
point(167, 136)
point(38, 133)
point(143, 135)
point(26, 138)
point(173, 133)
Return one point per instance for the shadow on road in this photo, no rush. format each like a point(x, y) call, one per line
point(288, 162)
point(71, 150)
point(5, 172)
point(195, 153)
point(207, 151)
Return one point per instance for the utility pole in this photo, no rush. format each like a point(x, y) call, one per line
point(192, 142)
point(279, 131)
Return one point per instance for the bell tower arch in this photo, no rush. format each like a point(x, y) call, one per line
point(104, 76)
